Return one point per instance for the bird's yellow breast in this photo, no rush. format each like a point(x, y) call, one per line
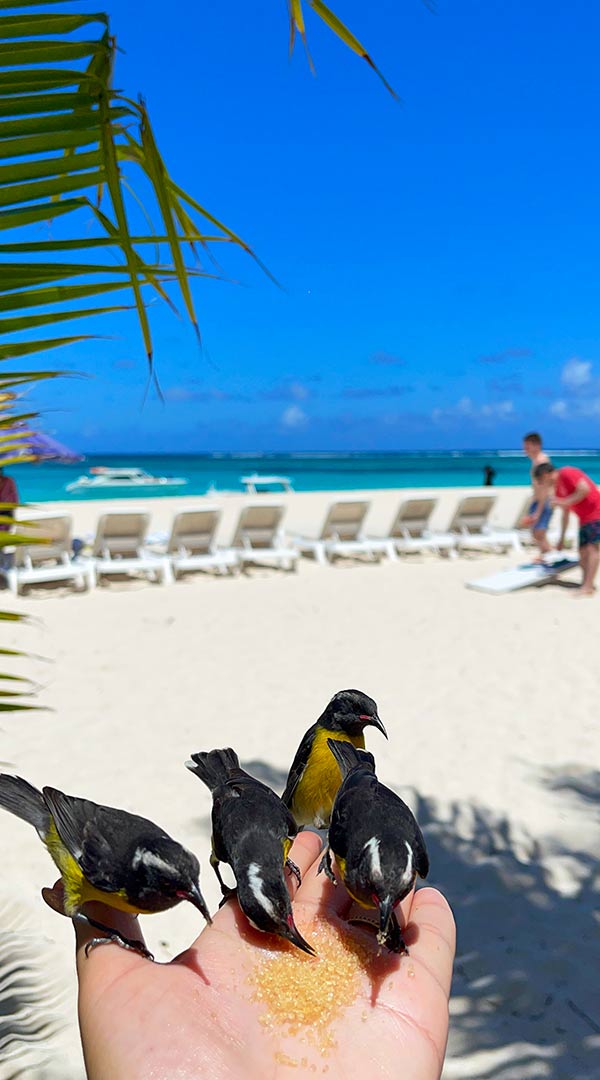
point(78, 889)
point(319, 783)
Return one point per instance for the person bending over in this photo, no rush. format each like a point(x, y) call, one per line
point(540, 511)
point(572, 489)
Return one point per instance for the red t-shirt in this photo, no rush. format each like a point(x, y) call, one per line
point(588, 509)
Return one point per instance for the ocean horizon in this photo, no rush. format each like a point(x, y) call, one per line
point(319, 471)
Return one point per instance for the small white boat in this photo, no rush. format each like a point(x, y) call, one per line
point(103, 477)
point(256, 482)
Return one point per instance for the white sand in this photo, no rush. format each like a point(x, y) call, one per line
point(491, 704)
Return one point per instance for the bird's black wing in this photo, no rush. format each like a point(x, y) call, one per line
point(298, 766)
point(354, 795)
point(243, 804)
point(396, 809)
point(99, 838)
point(420, 853)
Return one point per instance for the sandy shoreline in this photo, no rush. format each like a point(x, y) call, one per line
point(491, 706)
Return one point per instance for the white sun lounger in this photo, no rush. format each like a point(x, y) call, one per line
point(521, 577)
point(119, 548)
point(410, 530)
point(191, 545)
point(259, 537)
point(473, 533)
point(342, 534)
point(48, 561)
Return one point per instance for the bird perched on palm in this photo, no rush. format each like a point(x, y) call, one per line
point(108, 855)
point(252, 831)
point(378, 846)
point(314, 777)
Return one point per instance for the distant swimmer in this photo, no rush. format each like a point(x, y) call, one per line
point(489, 475)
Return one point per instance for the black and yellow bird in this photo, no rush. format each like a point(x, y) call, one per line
point(252, 831)
point(378, 846)
point(314, 777)
point(108, 855)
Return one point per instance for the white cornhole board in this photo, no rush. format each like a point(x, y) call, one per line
point(520, 577)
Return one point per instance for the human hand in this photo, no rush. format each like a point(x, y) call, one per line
point(198, 1016)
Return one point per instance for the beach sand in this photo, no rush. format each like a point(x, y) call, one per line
point(491, 705)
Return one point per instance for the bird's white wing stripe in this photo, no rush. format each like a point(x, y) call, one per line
point(372, 846)
point(409, 872)
point(150, 858)
point(256, 884)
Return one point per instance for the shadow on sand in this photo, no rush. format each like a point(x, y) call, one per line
point(526, 992)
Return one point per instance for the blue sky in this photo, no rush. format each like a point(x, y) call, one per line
point(439, 258)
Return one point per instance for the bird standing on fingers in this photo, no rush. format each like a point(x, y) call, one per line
point(252, 831)
point(314, 777)
point(109, 855)
point(378, 846)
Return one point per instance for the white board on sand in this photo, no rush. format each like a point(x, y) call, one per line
point(520, 577)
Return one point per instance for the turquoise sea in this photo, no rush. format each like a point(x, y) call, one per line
point(308, 472)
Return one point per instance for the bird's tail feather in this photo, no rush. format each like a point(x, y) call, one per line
point(214, 767)
point(23, 799)
point(348, 757)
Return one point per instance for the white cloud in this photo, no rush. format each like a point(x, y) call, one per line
point(576, 373)
point(559, 409)
point(299, 391)
point(466, 409)
point(294, 417)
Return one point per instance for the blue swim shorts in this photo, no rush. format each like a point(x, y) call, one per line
point(544, 518)
point(589, 533)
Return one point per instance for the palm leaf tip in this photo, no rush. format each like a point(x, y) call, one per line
point(341, 30)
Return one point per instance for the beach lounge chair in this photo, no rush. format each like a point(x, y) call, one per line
point(473, 533)
point(342, 534)
point(410, 530)
point(191, 545)
point(119, 548)
point(48, 561)
point(259, 537)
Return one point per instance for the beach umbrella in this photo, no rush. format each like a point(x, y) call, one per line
point(44, 447)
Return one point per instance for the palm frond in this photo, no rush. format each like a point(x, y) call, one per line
point(296, 18)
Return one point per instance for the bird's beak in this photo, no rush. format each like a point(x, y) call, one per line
point(196, 898)
point(374, 721)
point(386, 907)
point(294, 935)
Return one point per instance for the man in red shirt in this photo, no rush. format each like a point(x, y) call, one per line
point(571, 489)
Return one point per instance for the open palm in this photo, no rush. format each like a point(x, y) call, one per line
point(198, 1016)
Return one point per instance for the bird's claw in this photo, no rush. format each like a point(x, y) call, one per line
point(226, 894)
point(125, 943)
point(295, 870)
point(325, 864)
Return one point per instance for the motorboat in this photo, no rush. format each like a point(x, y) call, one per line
point(257, 482)
point(103, 477)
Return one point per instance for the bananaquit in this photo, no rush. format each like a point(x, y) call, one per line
point(252, 831)
point(379, 848)
point(314, 777)
point(109, 855)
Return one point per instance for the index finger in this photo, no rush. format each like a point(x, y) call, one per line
point(431, 935)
